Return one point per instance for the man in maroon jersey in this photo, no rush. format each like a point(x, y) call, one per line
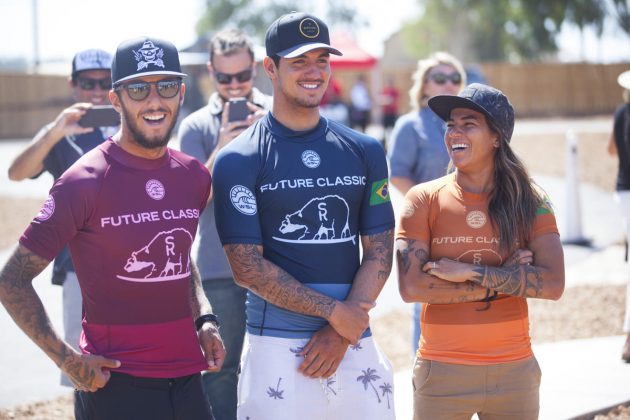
point(128, 210)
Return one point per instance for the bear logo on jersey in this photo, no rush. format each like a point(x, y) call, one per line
point(321, 220)
point(166, 257)
point(311, 159)
point(47, 210)
point(243, 200)
point(155, 189)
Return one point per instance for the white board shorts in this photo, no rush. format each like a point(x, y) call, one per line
point(270, 386)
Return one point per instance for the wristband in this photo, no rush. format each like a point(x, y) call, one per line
point(207, 318)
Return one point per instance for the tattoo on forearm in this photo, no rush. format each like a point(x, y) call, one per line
point(23, 304)
point(274, 284)
point(381, 250)
point(406, 254)
point(517, 280)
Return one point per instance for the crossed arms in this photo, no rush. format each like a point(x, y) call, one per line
point(535, 272)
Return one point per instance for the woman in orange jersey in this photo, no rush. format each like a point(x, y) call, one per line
point(473, 246)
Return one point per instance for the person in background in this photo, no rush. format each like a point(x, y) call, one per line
point(619, 145)
point(202, 134)
point(389, 104)
point(474, 245)
point(128, 209)
point(360, 105)
point(416, 151)
point(54, 149)
point(332, 105)
point(296, 195)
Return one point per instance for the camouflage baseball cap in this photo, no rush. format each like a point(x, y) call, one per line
point(482, 98)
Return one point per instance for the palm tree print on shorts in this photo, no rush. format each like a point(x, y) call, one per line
point(329, 382)
point(356, 347)
point(367, 378)
point(296, 350)
point(386, 388)
point(276, 393)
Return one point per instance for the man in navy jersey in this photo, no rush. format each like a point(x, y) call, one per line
point(294, 195)
point(128, 210)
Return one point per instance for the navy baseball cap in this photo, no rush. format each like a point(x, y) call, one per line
point(482, 98)
point(145, 56)
point(93, 59)
point(296, 33)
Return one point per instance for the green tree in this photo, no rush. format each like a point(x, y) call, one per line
point(255, 16)
point(498, 30)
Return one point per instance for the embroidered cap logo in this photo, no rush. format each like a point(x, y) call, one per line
point(309, 28)
point(149, 54)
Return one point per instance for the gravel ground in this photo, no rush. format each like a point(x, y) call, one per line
point(550, 321)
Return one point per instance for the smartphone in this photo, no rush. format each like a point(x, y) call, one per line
point(238, 109)
point(100, 116)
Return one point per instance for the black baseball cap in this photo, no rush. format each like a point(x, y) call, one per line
point(92, 59)
point(295, 33)
point(482, 98)
point(145, 56)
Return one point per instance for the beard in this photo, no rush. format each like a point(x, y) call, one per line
point(145, 141)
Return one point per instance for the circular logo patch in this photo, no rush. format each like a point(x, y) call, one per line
point(155, 189)
point(311, 159)
point(309, 28)
point(476, 219)
point(243, 200)
point(47, 209)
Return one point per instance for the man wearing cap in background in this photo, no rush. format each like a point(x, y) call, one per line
point(202, 134)
point(128, 210)
point(55, 148)
point(293, 196)
point(474, 246)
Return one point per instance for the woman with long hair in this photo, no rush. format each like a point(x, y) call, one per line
point(473, 246)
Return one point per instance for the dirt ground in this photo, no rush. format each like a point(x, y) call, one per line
point(551, 321)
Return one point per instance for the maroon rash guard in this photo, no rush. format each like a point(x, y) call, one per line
point(130, 223)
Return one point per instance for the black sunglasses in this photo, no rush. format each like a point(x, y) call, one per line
point(87, 83)
point(139, 91)
point(241, 77)
point(442, 78)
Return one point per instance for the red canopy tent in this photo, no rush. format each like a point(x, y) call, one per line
point(353, 58)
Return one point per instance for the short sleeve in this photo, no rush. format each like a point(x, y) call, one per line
point(62, 215)
point(235, 201)
point(191, 139)
point(377, 214)
point(403, 151)
point(413, 221)
point(545, 221)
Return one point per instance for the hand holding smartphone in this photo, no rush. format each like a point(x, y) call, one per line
point(238, 110)
point(100, 116)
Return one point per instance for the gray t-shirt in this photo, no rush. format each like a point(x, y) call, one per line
point(198, 134)
point(417, 151)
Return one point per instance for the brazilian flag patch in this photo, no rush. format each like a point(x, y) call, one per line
point(380, 192)
point(545, 207)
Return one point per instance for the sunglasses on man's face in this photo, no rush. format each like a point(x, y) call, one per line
point(226, 79)
point(87, 83)
point(442, 78)
point(139, 91)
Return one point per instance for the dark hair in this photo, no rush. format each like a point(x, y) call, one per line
point(514, 198)
point(276, 60)
point(229, 42)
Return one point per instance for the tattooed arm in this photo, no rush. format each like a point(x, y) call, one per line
point(276, 286)
point(543, 279)
point(21, 302)
point(417, 286)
